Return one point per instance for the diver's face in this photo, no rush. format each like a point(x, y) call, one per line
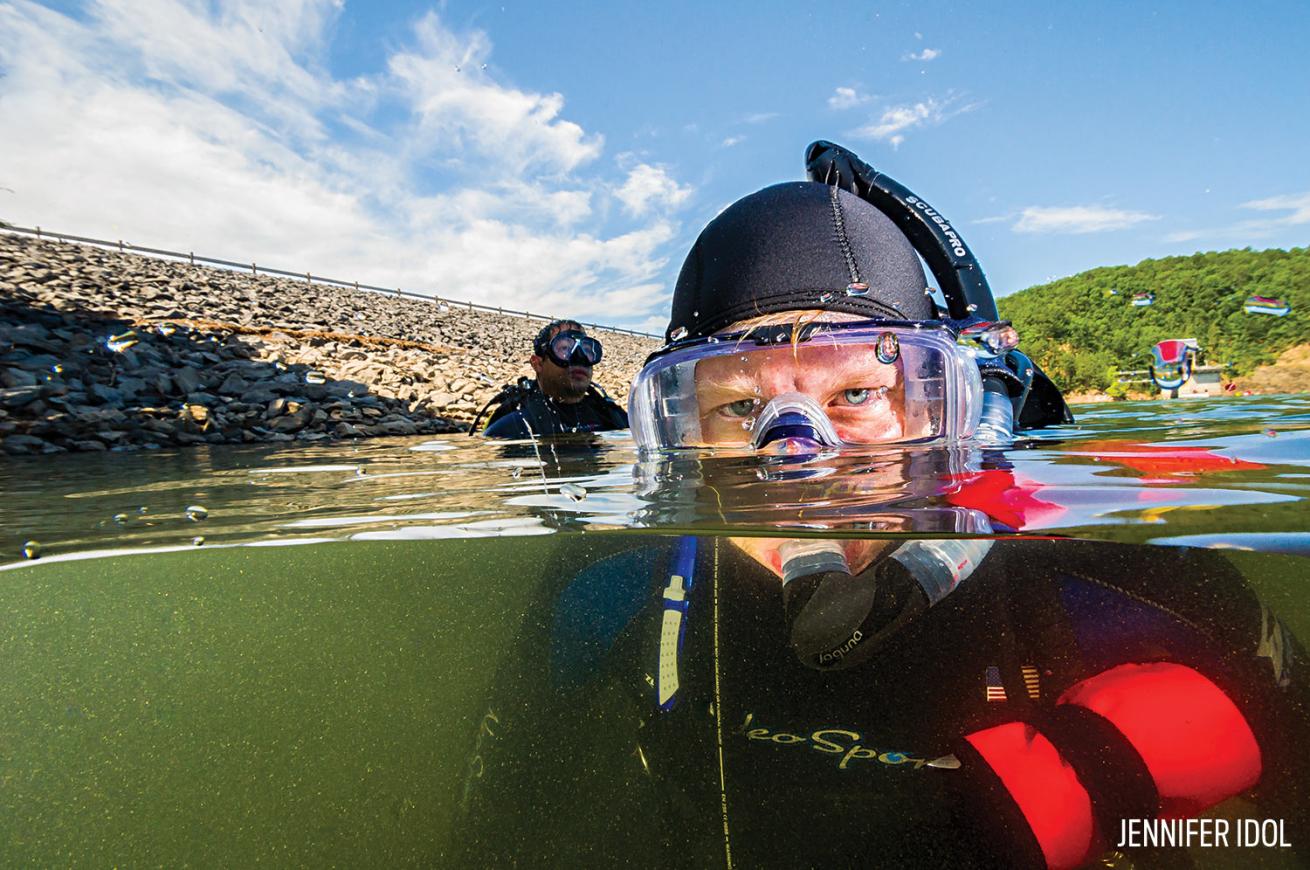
point(860, 394)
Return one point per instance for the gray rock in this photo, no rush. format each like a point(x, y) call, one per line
point(17, 397)
point(233, 385)
point(106, 395)
point(19, 445)
point(187, 380)
point(15, 377)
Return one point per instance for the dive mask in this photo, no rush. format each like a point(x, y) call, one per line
point(571, 348)
point(823, 384)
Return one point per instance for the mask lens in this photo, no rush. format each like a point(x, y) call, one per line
point(572, 348)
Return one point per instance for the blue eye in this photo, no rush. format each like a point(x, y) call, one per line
point(856, 397)
point(739, 408)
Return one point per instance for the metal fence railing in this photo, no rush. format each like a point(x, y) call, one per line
point(255, 269)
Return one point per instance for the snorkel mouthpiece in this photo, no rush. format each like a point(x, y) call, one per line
point(836, 620)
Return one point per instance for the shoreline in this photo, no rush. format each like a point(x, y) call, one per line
point(101, 350)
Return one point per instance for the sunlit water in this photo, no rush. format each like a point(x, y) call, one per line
point(228, 656)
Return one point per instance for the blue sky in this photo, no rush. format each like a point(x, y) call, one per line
point(562, 157)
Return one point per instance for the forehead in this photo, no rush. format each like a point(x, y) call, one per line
point(566, 326)
point(809, 365)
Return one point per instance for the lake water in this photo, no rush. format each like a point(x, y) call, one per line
point(444, 651)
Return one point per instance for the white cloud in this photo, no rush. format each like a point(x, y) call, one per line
point(925, 55)
point(1298, 204)
point(216, 128)
point(759, 117)
point(847, 98)
point(648, 187)
point(892, 125)
point(1078, 219)
point(732, 140)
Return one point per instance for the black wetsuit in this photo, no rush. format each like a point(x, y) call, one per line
point(527, 407)
point(775, 764)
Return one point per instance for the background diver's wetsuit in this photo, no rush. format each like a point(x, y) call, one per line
point(772, 763)
point(525, 405)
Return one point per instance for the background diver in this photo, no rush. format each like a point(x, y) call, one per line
point(562, 398)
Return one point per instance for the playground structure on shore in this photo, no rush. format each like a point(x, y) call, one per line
point(1178, 371)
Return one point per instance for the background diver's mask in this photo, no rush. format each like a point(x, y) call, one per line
point(818, 384)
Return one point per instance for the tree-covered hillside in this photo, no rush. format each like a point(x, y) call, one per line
point(1079, 327)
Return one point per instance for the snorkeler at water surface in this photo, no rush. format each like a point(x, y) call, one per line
point(764, 700)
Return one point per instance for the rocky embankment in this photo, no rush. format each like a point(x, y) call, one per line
point(107, 350)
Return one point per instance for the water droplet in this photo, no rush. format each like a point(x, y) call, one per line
point(280, 366)
point(826, 297)
point(120, 343)
point(678, 334)
point(121, 519)
point(573, 491)
point(198, 540)
point(971, 307)
point(859, 288)
point(695, 314)
point(483, 67)
point(315, 378)
point(517, 472)
point(780, 339)
point(927, 291)
point(143, 510)
point(57, 369)
point(166, 329)
point(195, 513)
point(32, 550)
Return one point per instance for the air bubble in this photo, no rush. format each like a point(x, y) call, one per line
point(573, 491)
point(859, 288)
point(195, 513)
point(32, 550)
point(971, 307)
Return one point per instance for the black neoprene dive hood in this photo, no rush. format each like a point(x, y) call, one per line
point(801, 245)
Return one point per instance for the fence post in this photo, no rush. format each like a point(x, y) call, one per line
point(254, 270)
point(38, 232)
point(120, 246)
point(192, 257)
point(309, 279)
